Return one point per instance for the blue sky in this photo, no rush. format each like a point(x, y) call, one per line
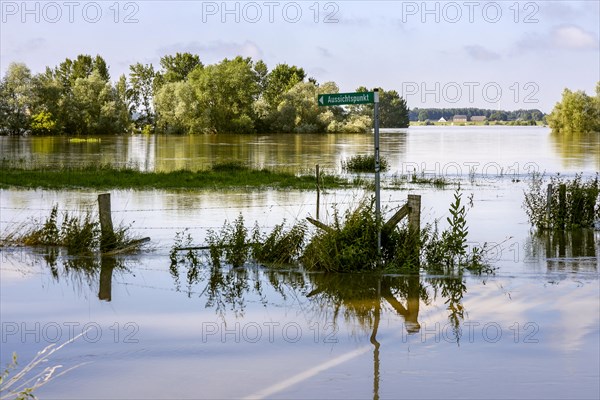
point(498, 55)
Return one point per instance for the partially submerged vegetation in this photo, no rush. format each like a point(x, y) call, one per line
point(572, 203)
point(364, 163)
point(219, 176)
point(348, 245)
point(78, 234)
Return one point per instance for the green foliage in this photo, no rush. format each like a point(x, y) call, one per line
point(448, 250)
point(230, 243)
point(435, 181)
point(229, 166)
point(280, 247)
point(225, 93)
point(177, 68)
point(578, 208)
point(48, 234)
point(364, 163)
point(280, 80)
point(16, 98)
point(348, 245)
point(42, 123)
point(182, 97)
point(141, 92)
point(434, 114)
point(393, 110)
point(351, 244)
point(79, 234)
point(440, 255)
point(219, 177)
point(576, 113)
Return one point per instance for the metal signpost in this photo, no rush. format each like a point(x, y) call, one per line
point(338, 99)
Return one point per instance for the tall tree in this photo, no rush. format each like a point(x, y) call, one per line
point(281, 79)
point(226, 93)
point(576, 113)
point(176, 68)
point(16, 97)
point(140, 93)
point(393, 111)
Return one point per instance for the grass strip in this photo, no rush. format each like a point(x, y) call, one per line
point(108, 177)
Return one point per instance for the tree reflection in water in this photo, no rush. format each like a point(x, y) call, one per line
point(360, 299)
point(575, 251)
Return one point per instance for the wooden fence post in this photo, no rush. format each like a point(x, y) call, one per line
point(106, 269)
point(318, 188)
point(107, 233)
point(414, 215)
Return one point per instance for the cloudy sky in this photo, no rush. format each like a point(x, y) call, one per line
point(499, 55)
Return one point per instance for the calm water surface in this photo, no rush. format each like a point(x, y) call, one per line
point(530, 331)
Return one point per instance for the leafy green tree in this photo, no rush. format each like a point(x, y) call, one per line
point(16, 97)
point(121, 105)
point(498, 116)
point(97, 106)
point(262, 73)
point(140, 93)
point(178, 109)
point(423, 115)
point(82, 67)
point(298, 111)
point(226, 93)
point(576, 113)
point(177, 68)
point(281, 79)
point(43, 123)
point(393, 111)
point(48, 99)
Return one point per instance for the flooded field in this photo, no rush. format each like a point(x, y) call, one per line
point(531, 330)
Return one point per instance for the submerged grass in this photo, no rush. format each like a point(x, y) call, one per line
point(364, 163)
point(219, 176)
point(78, 234)
point(348, 244)
point(576, 206)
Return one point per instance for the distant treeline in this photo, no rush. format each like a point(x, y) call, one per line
point(181, 96)
point(434, 114)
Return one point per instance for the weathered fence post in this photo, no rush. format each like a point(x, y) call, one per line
point(107, 233)
point(106, 269)
point(414, 215)
point(318, 188)
point(548, 206)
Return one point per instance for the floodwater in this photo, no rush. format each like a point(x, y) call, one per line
point(531, 330)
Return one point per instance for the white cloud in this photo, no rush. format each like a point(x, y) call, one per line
point(563, 37)
point(481, 54)
point(573, 37)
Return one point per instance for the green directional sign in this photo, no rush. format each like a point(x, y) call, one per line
point(337, 99)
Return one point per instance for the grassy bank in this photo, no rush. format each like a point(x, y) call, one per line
point(220, 176)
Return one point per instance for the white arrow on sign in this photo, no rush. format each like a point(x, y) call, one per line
point(321, 99)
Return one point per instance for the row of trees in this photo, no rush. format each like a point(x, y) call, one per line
point(576, 113)
point(434, 114)
point(182, 96)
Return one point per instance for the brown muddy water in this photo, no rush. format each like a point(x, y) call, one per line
point(531, 330)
